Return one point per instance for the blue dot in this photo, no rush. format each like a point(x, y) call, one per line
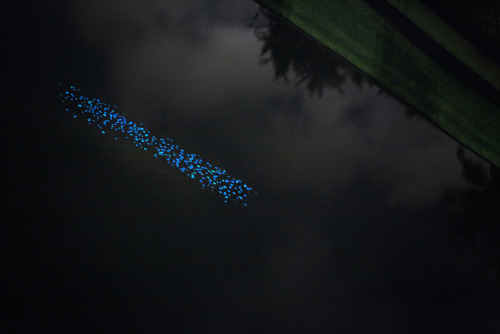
point(216, 179)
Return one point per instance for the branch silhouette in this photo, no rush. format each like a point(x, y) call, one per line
point(478, 207)
point(315, 66)
point(290, 50)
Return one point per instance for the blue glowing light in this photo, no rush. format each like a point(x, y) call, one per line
point(108, 120)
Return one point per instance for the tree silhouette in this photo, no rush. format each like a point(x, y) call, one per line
point(314, 65)
point(289, 49)
point(478, 207)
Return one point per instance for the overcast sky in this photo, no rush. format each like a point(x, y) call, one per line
point(348, 230)
point(201, 61)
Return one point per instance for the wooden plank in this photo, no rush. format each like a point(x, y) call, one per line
point(355, 31)
point(450, 39)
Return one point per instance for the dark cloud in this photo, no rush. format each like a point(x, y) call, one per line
point(347, 232)
point(111, 23)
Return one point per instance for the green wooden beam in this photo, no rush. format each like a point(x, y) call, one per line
point(449, 39)
point(355, 31)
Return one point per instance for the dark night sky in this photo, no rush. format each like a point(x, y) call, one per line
point(349, 232)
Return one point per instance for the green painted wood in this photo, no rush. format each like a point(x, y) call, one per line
point(352, 29)
point(450, 39)
point(484, 14)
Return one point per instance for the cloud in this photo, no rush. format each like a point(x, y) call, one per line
point(115, 22)
point(192, 74)
point(330, 150)
point(170, 72)
point(196, 63)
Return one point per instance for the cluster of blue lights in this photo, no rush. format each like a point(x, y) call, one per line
point(108, 120)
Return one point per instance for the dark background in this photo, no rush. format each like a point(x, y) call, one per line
point(364, 221)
